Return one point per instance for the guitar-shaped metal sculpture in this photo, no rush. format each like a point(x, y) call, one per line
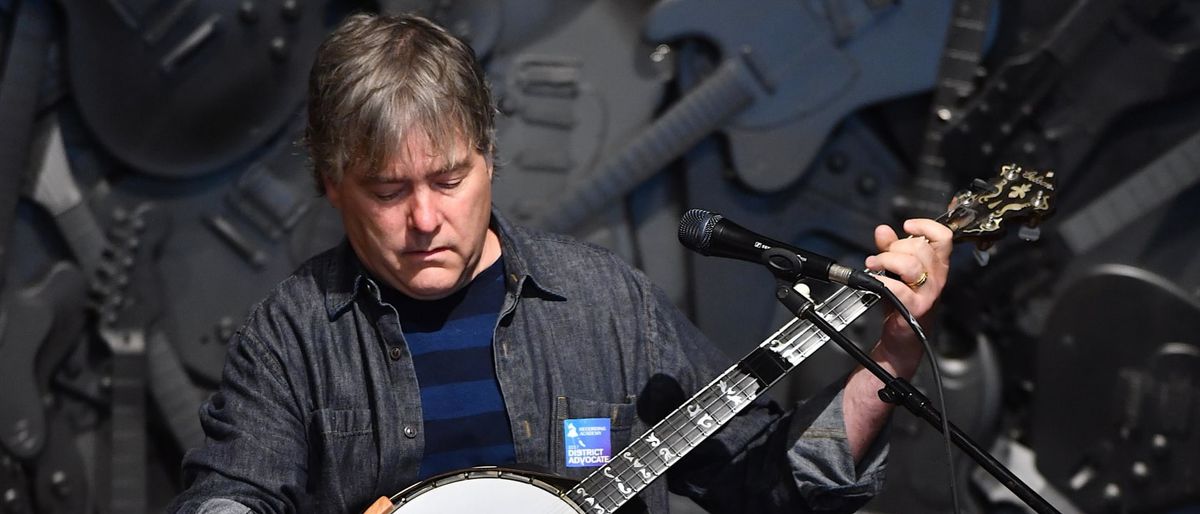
point(127, 314)
point(180, 88)
point(980, 214)
point(787, 76)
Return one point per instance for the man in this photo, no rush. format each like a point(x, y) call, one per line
point(441, 336)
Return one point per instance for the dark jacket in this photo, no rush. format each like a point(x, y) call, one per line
point(319, 409)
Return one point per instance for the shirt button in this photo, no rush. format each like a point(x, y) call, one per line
point(409, 431)
point(394, 353)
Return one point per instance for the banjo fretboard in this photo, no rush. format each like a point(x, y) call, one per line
point(707, 411)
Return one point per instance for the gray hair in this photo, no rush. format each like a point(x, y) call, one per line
point(377, 79)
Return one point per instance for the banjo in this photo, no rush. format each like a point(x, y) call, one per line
point(976, 214)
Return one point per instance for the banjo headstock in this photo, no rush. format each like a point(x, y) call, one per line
point(982, 213)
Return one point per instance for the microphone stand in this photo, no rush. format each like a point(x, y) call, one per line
point(896, 390)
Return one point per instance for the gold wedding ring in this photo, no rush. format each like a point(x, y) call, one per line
point(920, 281)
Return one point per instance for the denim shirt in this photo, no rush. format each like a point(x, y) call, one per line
point(319, 409)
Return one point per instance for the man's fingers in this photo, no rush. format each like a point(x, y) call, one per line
point(904, 265)
point(884, 237)
point(918, 264)
point(382, 505)
point(919, 247)
point(939, 236)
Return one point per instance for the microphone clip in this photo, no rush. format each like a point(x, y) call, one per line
point(786, 265)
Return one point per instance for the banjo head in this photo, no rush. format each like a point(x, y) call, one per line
point(486, 489)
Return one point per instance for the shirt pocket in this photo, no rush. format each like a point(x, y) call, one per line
point(621, 419)
point(343, 462)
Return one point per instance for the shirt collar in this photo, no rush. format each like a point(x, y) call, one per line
point(347, 277)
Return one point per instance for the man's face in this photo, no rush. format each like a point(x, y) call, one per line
point(421, 223)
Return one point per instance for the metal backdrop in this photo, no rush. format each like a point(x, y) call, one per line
point(151, 192)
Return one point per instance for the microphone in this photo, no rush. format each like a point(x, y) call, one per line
point(710, 234)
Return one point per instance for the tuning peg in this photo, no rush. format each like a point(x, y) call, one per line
point(1029, 233)
point(982, 252)
point(1039, 201)
point(983, 257)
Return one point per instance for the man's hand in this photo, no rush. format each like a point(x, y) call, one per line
point(382, 505)
point(922, 263)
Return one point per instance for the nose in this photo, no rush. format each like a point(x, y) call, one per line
point(424, 214)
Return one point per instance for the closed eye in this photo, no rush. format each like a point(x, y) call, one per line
point(388, 194)
point(450, 184)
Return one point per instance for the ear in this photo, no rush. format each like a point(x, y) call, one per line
point(332, 192)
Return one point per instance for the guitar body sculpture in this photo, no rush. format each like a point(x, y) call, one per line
point(181, 89)
point(494, 490)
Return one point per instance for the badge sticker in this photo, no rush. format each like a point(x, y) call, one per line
point(587, 442)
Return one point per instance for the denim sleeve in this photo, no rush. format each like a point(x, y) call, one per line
point(765, 460)
point(254, 459)
point(822, 466)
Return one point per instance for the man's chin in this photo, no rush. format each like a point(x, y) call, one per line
point(431, 289)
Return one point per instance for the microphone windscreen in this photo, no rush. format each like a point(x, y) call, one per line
point(696, 228)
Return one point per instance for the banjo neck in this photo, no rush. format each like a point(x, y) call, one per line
point(978, 214)
point(710, 409)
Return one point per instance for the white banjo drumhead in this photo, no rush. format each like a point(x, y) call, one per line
point(485, 491)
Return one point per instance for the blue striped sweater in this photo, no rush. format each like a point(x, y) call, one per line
point(451, 344)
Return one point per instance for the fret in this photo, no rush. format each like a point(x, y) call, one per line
point(969, 24)
point(691, 435)
point(958, 65)
point(668, 455)
point(848, 304)
point(656, 455)
point(712, 412)
point(612, 497)
point(963, 55)
point(933, 161)
point(957, 85)
point(648, 457)
point(838, 316)
point(660, 456)
point(636, 469)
